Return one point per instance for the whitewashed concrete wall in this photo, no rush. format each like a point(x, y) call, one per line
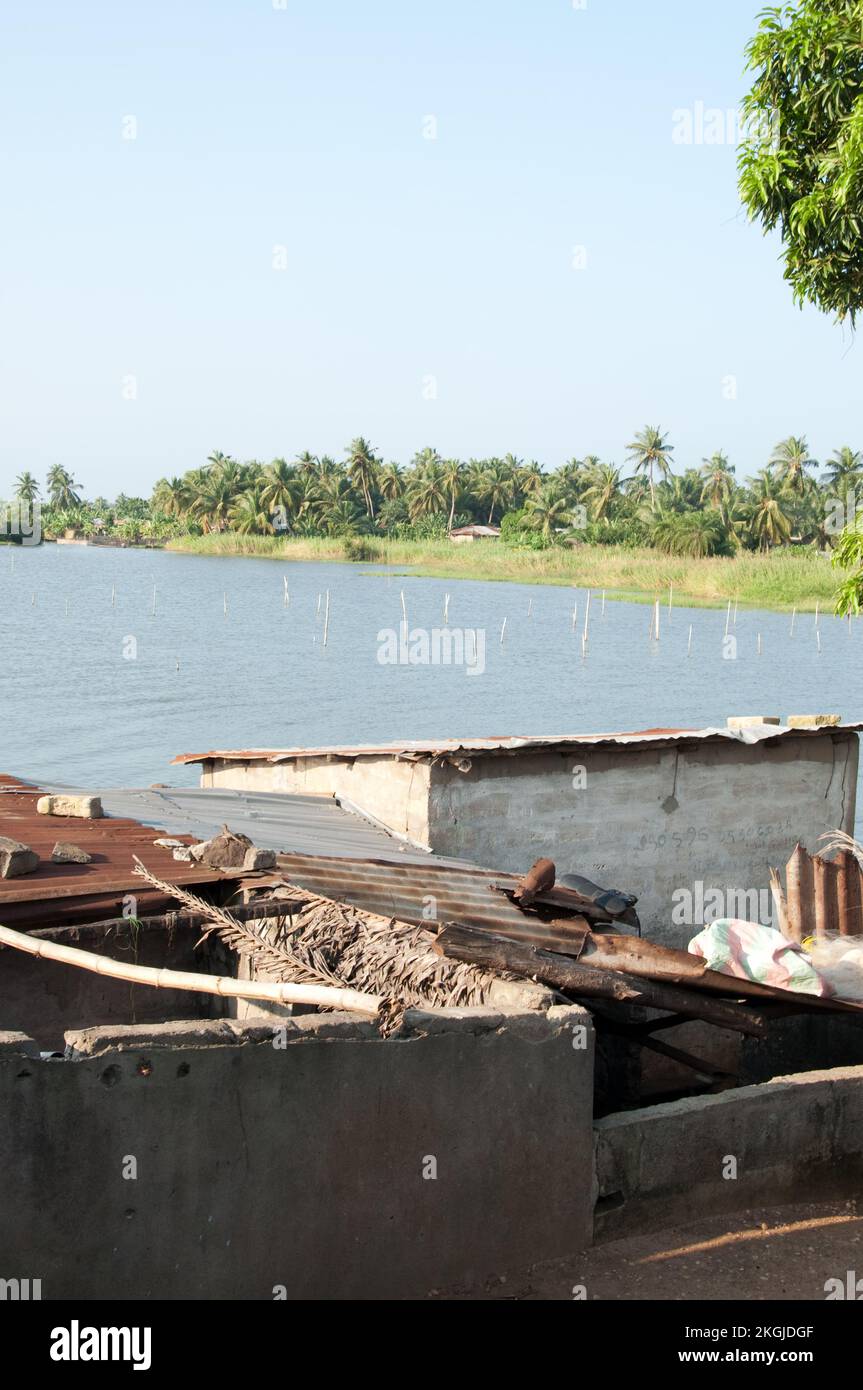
point(652, 821)
point(657, 822)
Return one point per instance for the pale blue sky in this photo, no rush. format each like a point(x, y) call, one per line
point(407, 258)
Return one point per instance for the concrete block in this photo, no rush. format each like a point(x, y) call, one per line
point(16, 859)
point(814, 721)
point(751, 721)
point(84, 807)
point(259, 859)
point(64, 853)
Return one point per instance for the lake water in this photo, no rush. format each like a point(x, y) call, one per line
point(101, 695)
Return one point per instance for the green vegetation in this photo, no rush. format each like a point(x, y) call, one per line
point(780, 579)
point(801, 165)
point(584, 523)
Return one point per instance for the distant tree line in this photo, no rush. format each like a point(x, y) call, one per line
point(701, 511)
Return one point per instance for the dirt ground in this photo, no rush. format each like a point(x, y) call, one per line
point(784, 1252)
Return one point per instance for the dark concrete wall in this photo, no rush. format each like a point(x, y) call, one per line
point(300, 1166)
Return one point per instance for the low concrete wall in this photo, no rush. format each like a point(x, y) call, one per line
point(792, 1139)
point(300, 1166)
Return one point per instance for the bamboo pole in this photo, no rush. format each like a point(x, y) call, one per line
point(689, 643)
point(502, 630)
point(325, 996)
point(327, 618)
point(586, 620)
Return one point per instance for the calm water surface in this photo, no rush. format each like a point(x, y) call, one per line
point(97, 694)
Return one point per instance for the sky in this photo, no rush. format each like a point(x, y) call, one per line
point(264, 226)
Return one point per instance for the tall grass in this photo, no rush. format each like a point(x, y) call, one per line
point(781, 580)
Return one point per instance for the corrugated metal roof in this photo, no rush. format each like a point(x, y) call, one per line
point(56, 893)
point(272, 820)
point(428, 893)
point(434, 748)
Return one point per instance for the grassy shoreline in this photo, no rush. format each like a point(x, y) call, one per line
point(779, 581)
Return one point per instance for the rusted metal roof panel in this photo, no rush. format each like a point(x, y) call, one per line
point(83, 892)
point(427, 894)
point(437, 748)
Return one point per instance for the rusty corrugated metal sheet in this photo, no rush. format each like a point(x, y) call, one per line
point(438, 748)
point(57, 893)
point(427, 894)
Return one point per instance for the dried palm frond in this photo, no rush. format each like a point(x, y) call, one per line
point(838, 840)
point(268, 957)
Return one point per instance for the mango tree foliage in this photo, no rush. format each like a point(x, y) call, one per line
point(800, 163)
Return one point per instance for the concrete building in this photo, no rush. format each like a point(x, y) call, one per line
point(671, 815)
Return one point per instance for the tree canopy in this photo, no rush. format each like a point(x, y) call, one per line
point(801, 161)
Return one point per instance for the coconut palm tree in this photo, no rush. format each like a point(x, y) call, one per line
point(495, 485)
point(845, 466)
point(790, 459)
point(391, 481)
point(62, 488)
point(427, 491)
point(363, 470)
point(602, 490)
point(250, 514)
point(453, 477)
point(26, 488)
point(650, 453)
point(769, 525)
point(172, 496)
point(548, 510)
point(279, 487)
point(718, 487)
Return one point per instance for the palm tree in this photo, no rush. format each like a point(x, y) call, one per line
point(790, 459)
point(249, 513)
point(602, 490)
point(427, 491)
point(845, 466)
point(26, 488)
point(690, 533)
point(391, 481)
point(529, 478)
point(453, 476)
point(495, 485)
point(172, 496)
point(769, 525)
point(649, 452)
point(279, 487)
point(548, 509)
point(718, 475)
point(362, 469)
point(62, 488)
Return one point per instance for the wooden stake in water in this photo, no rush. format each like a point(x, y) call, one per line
point(529, 607)
point(728, 618)
point(113, 596)
point(404, 609)
point(502, 631)
point(583, 645)
point(602, 610)
point(318, 607)
point(670, 599)
point(154, 600)
point(656, 620)
point(734, 619)
point(287, 597)
point(574, 615)
point(759, 644)
point(327, 618)
point(689, 643)
point(818, 639)
point(586, 619)
point(793, 620)
point(445, 609)
point(817, 614)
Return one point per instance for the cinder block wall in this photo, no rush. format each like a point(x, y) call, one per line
point(300, 1166)
point(650, 820)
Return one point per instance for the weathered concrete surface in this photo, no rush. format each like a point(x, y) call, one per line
point(84, 807)
point(646, 819)
point(44, 998)
point(16, 858)
point(794, 1138)
point(299, 1166)
point(395, 793)
point(653, 821)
